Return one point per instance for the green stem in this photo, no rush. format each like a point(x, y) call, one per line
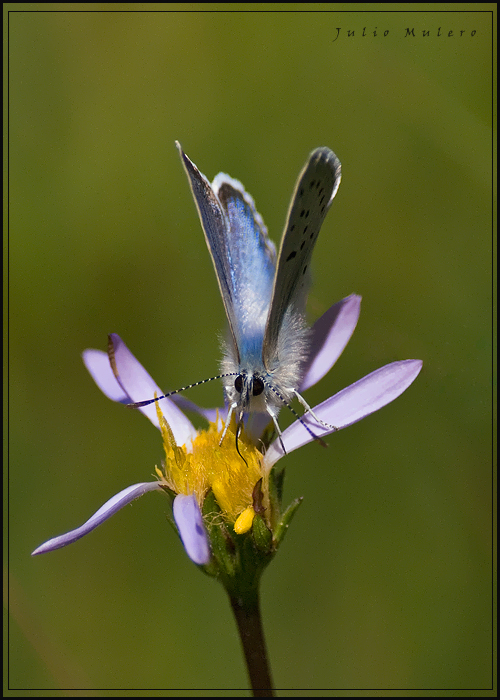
point(247, 614)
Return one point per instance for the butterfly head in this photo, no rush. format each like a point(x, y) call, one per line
point(247, 392)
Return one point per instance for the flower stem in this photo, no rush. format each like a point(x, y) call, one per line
point(248, 620)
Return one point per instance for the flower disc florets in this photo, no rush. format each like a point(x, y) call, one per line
point(231, 470)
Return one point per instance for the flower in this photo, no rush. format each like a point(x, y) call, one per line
point(221, 492)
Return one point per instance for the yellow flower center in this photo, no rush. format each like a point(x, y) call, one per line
point(207, 465)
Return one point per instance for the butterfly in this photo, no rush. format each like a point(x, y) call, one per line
point(264, 294)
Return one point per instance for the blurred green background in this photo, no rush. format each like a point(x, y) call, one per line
point(384, 580)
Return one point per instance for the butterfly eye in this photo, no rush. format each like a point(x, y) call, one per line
point(238, 383)
point(258, 386)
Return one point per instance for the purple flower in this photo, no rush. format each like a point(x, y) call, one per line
point(195, 462)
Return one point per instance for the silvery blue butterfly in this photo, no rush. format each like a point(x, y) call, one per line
point(264, 295)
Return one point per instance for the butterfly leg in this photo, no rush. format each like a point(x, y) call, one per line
point(278, 430)
point(309, 410)
point(228, 420)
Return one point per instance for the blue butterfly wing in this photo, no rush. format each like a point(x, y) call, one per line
point(243, 256)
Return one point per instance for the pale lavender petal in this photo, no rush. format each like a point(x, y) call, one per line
point(97, 363)
point(192, 531)
point(349, 406)
point(106, 511)
point(330, 335)
point(139, 386)
point(210, 414)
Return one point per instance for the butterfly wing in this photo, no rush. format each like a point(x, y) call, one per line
point(314, 192)
point(242, 254)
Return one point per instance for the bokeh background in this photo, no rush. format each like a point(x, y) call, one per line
point(384, 581)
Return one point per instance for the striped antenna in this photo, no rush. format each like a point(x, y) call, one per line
point(139, 404)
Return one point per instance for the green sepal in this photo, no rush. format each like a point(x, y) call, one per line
point(278, 476)
point(276, 481)
point(285, 520)
point(170, 513)
point(222, 543)
point(262, 535)
point(237, 560)
point(249, 564)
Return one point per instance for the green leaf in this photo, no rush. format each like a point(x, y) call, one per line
point(286, 518)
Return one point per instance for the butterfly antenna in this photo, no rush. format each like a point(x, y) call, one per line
point(140, 404)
